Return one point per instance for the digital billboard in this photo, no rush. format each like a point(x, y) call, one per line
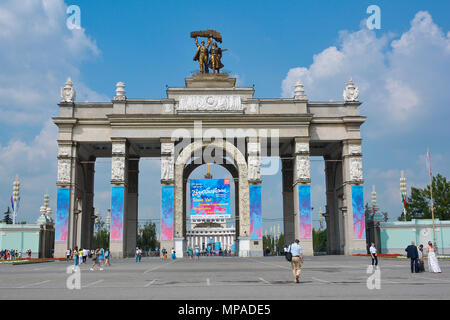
point(210, 198)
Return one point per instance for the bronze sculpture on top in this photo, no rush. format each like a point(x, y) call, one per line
point(206, 57)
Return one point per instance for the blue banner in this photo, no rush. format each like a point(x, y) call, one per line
point(210, 197)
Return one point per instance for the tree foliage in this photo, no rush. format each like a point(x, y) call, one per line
point(101, 237)
point(319, 240)
point(7, 217)
point(146, 238)
point(418, 205)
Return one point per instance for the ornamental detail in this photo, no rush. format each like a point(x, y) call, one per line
point(68, 93)
point(118, 169)
point(118, 148)
point(167, 170)
point(64, 151)
point(355, 149)
point(253, 148)
point(303, 169)
point(301, 147)
point(120, 92)
point(254, 168)
point(356, 173)
point(64, 166)
point(167, 148)
point(210, 103)
point(351, 92)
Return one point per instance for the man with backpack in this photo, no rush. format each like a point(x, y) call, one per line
point(295, 256)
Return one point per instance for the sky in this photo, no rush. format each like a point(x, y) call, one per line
point(402, 71)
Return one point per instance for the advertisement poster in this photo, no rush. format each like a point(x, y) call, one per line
point(210, 197)
point(62, 215)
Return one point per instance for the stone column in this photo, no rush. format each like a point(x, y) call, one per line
point(333, 216)
point(132, 205)
point(302, 195)
point(254, 180)
point(67, 158)
point(353, 201)
point(167, 198)
point(288, 200)
point(119, 197)
point(88, 215)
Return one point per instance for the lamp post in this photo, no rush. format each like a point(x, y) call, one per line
point(403, 192)
point(16, 197)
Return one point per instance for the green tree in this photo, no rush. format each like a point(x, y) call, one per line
point(319, 240)
point(7, 219)
point(101, 237)
point(418, 205)
point(146, 238)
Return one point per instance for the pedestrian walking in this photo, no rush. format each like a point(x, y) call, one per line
point(297, 259)
point(107, 257)
point(75, 258)
point(173, 254)
point(96, 260)
point(413, 254)
point(373, 254)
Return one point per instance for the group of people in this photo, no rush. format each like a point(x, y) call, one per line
point(417, 262)
point(99, 256)
point(13, 254)
point(416, 255)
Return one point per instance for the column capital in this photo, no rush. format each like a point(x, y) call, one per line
point(301, 145)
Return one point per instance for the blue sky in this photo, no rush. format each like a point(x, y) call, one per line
point(403, 71)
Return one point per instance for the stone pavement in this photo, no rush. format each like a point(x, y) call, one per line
point(229, 278)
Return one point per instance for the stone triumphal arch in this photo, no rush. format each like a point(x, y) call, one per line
point(210, 120)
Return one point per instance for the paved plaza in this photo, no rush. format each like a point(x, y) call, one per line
point(230, 278)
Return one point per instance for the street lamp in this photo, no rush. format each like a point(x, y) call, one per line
point(403, 192)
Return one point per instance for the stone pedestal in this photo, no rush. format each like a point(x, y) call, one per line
point(243, 245)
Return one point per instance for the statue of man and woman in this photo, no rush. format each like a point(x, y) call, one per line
point(209, 56)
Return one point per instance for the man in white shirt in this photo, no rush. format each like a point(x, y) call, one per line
point(373, 254)
point(297, 259)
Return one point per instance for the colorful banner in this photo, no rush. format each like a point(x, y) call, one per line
point(359, 223)
point(210, 197)
point(255, 212)
point(62, 214)
point(117, 207)
point(304, 204)
point(167, 213)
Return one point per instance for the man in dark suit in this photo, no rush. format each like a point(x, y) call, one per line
point(413, 254)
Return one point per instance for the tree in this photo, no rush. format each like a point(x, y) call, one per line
point(101, 237)
point(418, 205)
point(319, 240)
point(146, 238)
point(7, 219)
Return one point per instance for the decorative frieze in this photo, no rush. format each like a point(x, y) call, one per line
point(210, 103)
point(64, 171)
point(254, 169)
point(118, 169)
point(356, 174)
point(167, 169)
point(303, 169)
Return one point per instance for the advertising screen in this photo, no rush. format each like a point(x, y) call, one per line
point(210, 198)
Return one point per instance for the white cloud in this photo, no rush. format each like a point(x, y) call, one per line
point(39, 53)
point(402, 81)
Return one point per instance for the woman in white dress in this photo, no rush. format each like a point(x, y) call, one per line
point(433, 264)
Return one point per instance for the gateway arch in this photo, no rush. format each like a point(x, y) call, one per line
point(293, 129)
